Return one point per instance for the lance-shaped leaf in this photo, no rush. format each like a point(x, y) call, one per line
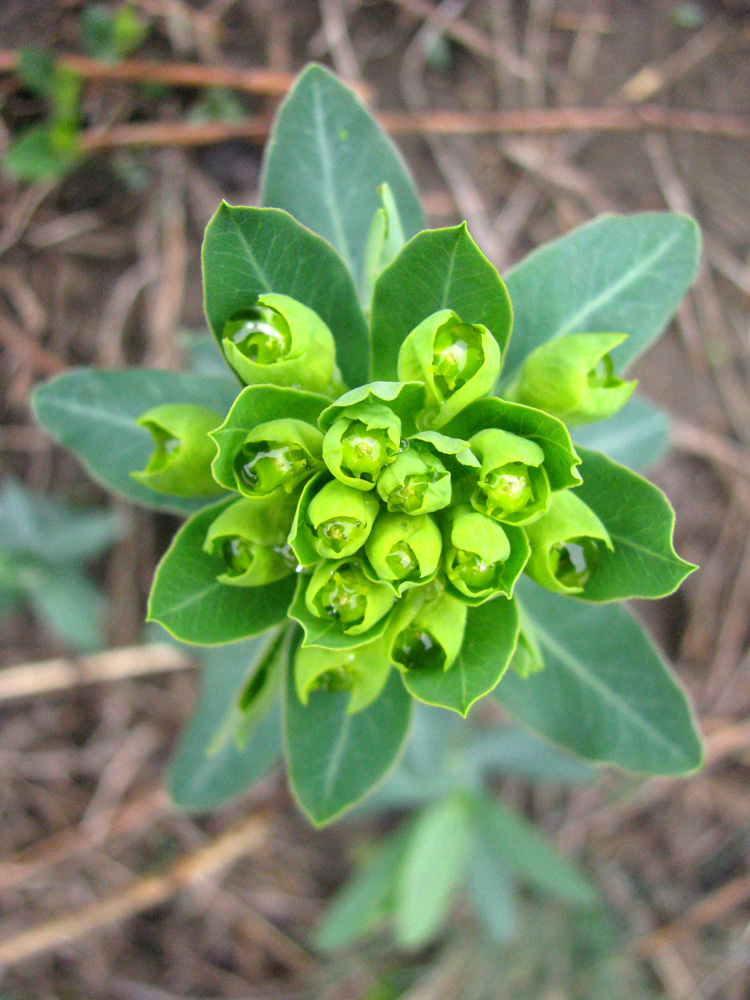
point(208, 766)
point(636, 436)
point(243, 258)
point(433, 865)
point(623, 273)
point(560, 458)
point(95, 413)
point(192, 605)
point(384, 241)
point(334, 759)
point(640, 523)
point(259, 405)
point(324, 163)
point(605, 691)
point(519, 847)
point(489, 640)
point(438, 269)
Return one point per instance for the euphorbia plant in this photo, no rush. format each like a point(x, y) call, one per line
point(384, 494)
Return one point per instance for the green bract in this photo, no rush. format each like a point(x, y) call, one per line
point(389, 525)
point(404, 549)
point(457, 361)
point(181, 460)
point(250, 536)
point(512, 484)
point(282, 342)
point(342, 592)
point(565, 545)
point(482, 559)
point(573, 377)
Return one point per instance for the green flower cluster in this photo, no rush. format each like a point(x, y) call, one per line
point(398, 504)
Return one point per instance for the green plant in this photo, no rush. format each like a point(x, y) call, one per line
point(414, 535)
point(43, 548)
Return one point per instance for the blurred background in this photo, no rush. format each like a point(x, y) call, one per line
point(114, 155)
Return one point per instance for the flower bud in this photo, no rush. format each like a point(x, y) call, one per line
point(363, 671)
point(417, 482)
point(341, 519)
point(181, 461)
point(277, 457)
point(457, 361)
point(282, 342)
point(565, 544)
point(573, 378)
point(433, 637)
point(482, 559)
point(361, 442)
point(342, 592)
point(512, 484)
point(404, 549)
point(251, 538)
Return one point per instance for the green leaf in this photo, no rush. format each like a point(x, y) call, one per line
point(438, 269)
point(433, 865)
point(36, 68)
point(44, 151)
point(94, 413)
point(205, 771)
point(551, 434)
point(69, 603)
point(523, 850)
point(250, 251)
point(335, 759)
point(513, 751)
point(190, 603)
point(489, 641)
point(255, 405)
point(492, 890)
point(32, 524)
point(324, 163)
point(636, 436)
point(619, 274)
point(364, 902)
point(605, 691)
point(640, 523)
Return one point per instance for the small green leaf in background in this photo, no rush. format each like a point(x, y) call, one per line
point(191, 604)
point(208, 766)
point(605, 691)
point(635, 437)
point(492, 891)
point(365, 901)
point(249, 251)
point(110, 33)
point(519, 847)
point(94, 413)
point(42, 151)
point(640, 523)
point(438, 269)
point(324, 163)
point(433, 866)
point(551, 434)
point(617, 274)
point(69, 603)
point(489, 641)
point(504, 750)
point(335, 759)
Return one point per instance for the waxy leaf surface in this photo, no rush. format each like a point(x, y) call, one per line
point(190, 603)
point(617, 274)
point(605, 691)
point(324, 163)
point(636, 436)
point(489, 642)
point(335, 759)
point(438, 269)
point(94, 413)
point(640, 523)
point(208, 766)
point(249, 251)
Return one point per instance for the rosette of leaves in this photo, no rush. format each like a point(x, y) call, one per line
point(421, 475)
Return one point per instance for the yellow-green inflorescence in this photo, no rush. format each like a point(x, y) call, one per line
point(395, 524)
